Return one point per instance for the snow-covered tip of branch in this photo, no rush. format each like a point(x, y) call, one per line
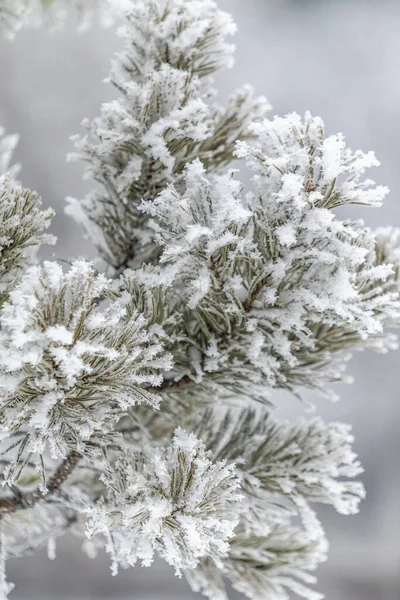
point(283, 469)
point(299, 165)
point(21, 224)
point(164, 118)
point(309, 460)
point(275, 563)
point(290, 285)
point(68, 368)
point(173, 501)
point(190, 35)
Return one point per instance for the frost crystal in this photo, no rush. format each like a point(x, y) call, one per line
point(164, 119)
point(21, 224)
point(283, 469)
point(275, 270)
point(136, 411)
point(174, 501)
point(68, 369)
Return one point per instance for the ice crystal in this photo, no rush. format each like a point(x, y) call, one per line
point(173, 500)
point(21, 224)
point(127, 405)
point(164, 118)
point(68, 368)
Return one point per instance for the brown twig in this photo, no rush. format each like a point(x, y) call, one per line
point(171, 384)
point(249, 302)
point(24, 501)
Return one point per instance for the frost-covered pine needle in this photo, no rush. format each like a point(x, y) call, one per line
point(136, 403)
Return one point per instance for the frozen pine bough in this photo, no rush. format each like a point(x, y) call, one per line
point(137, 393)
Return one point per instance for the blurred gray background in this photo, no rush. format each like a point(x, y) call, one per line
point(339, 59)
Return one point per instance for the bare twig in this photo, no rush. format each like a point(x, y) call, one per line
point(171, 384)
point(257, 289)
point(24, 501)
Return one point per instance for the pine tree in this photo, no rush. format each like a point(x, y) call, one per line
point(137, 392)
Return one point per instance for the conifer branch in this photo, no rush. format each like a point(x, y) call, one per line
point(219, 294)
point(23, 501)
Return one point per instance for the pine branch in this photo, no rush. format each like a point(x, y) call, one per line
point(21, 225)
point(162, 121)
point(220, 295)
point(85, 364)
point(29, 500)
point(248, 304)
point(173, 500)
point(168, 384)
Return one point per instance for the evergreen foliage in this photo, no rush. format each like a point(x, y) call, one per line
point(137, 395)
point(21, 224)
point(164, 118)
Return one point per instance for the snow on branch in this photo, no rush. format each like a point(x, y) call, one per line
point(308, 460)
point(278, 286)
point(137, 410)
point(21, 224)
point(173, 500)
point(68, 368)
point(164, 118)
point(282, 469)
point(261, 566)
